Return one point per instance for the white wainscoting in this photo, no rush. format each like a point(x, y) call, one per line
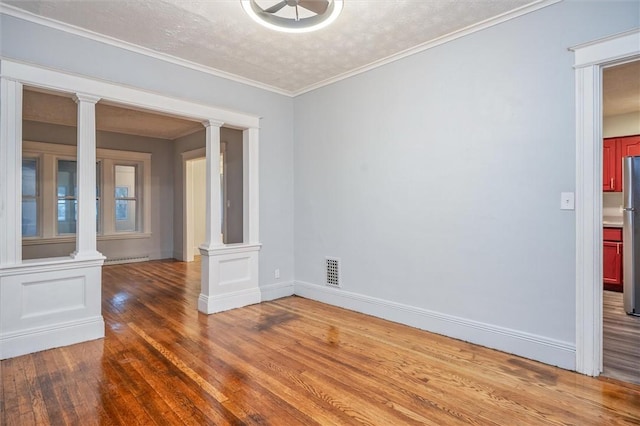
point(48, 304)
point(229, 277)
point(539, 348)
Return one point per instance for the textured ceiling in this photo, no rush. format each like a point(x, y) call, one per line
point(218, 34)
point(621, 89)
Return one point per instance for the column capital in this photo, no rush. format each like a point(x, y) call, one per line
point(212, 123)
point(83, 97)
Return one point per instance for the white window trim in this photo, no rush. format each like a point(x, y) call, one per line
point(38, 196)
point(48, 154)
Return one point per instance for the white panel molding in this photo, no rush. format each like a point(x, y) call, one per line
point(49, 303)
point(539, 348)
point(60, 81)
point(226, 288)
point(590, 58)
point(277, 291)
point(48, 265)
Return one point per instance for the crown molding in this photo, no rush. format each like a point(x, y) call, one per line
point(72, 29)
point(112, 41)
point(487, 23)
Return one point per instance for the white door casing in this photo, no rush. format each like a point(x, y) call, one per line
point(590, 59)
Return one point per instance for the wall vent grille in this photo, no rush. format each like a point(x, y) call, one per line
point(126, 260)
point(333, 272)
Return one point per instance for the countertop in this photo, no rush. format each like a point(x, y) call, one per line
point(612, 221)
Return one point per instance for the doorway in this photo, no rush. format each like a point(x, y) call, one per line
point(621, 133)
point(195, 205)
point(590, 59)
point(232, 170)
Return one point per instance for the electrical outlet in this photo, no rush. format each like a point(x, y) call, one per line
point(276, 273)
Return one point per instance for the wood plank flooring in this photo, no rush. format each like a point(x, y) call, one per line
point(288, 362)
point(621, 340)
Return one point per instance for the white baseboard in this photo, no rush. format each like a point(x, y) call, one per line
point(159, 255)
point(54, 336)
point(227, 301)
point(527, 345)
point(276, 291)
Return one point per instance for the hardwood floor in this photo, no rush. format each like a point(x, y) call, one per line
point(287, 362)
point(621, 340)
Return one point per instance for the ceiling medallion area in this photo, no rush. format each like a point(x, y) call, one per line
point(293, 16)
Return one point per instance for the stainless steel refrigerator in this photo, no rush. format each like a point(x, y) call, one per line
point(631, 234)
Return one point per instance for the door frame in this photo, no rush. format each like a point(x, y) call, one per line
point(590, 59)
point(188, 157)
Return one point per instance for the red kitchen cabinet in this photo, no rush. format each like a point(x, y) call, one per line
point(613, 151)
point(627, 147)
point(609, 161)
point(612, 259)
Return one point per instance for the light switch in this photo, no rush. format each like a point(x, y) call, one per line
point(567, 201)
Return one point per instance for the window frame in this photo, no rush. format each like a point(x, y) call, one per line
point(50, 153)
point(38, 196)
point(136, 198)
point(57, 160)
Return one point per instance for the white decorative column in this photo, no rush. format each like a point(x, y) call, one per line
point(229, 272)
point(86, 236)
point(10, 172)
point(213, 217)
point(46, 303)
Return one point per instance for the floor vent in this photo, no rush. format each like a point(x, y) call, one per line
point(333, 272)
point(126, 260)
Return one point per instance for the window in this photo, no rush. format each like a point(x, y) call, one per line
point(49, 206)
point(30, 197)
point(125, 196)
point(67, 207)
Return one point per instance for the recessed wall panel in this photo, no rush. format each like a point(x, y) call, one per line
point(233, 271)
point(41, 298)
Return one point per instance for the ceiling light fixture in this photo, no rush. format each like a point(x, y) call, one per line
point(293, 16)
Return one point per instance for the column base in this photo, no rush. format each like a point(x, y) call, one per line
point(227, 301)
point(87, 255)
point(229, 277)
point(49, 303)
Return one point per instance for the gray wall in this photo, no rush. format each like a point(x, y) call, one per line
point(33, 43)
point(160, 245)
point(437, 178)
